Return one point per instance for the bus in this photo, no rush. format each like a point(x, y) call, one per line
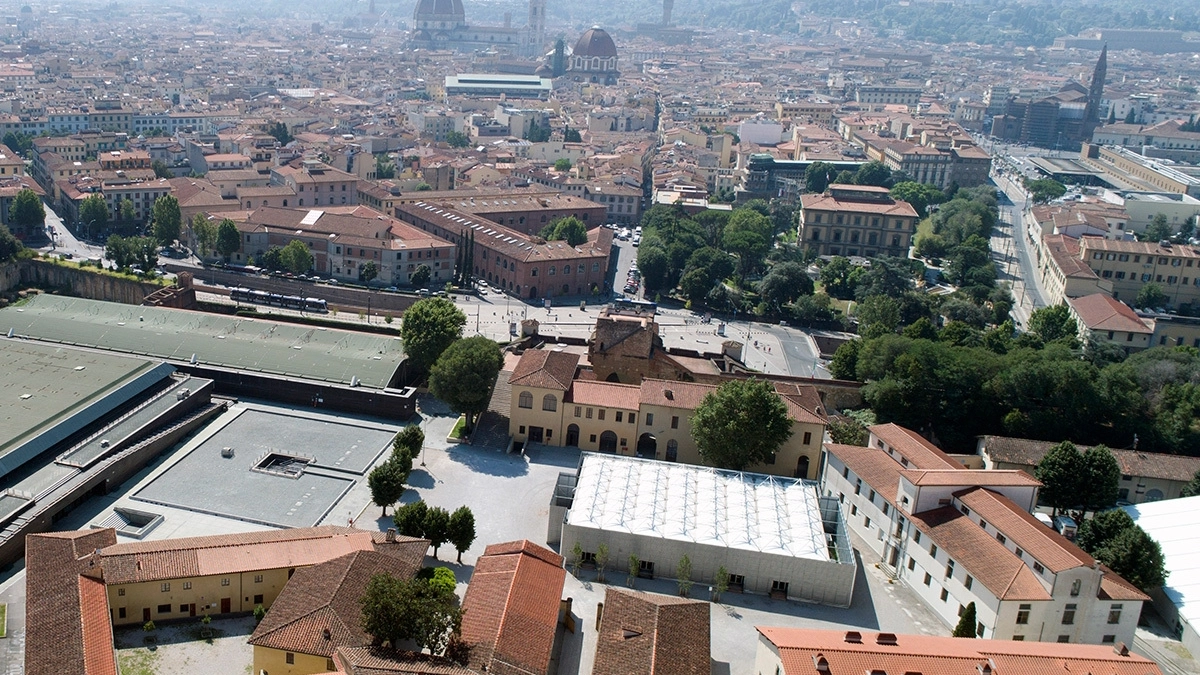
point(295, 302)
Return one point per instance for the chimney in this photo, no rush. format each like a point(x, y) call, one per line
point(391, 534)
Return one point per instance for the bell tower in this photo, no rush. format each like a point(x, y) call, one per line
point(536, 28)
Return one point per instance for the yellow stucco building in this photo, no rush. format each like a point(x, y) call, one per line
point(555, 405)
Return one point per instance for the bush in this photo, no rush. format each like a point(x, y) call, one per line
point(149, 626)
point(259, 613)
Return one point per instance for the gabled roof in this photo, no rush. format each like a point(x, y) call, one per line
point(388, 661)
point(605, 394)
point(228, 553)
point(545, 369)
point(652, 634)
point(318, 610)
point(873, 466)
point(1048, 547)
point(920, 453)
point(1133, 462)
point(980, 554)
point(67, 629)
point(972, 477)
point(510, 612)
point(1100, 311)
point(801, 650)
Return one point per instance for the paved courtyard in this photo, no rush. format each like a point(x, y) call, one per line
point(184, 649)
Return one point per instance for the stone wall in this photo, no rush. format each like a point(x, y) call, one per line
point(10, 276)
point(85, 283)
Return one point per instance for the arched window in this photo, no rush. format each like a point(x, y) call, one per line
point(549, 403)
point(526, 400)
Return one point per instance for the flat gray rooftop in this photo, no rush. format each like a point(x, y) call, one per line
point(206, 482)
point(45, 385)
point(291, 350)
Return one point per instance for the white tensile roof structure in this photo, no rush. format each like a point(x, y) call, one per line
point(699, 504)
point(1172, 524)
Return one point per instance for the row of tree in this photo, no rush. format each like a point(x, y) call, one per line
point(438, 525)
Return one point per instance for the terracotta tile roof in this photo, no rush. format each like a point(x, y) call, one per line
point(826, 202)
point(1137, 247)
point(1133, 463)
point(652, 634)
point(545, 369)
point(803, 402)
point(801, 649)
point(99, 658)
point(920, 453)
point(1064, 251)
point(59, 639)
point(985, 477)
point(873, 466)
point(229, 553)
point(510, 612)
point(672, 394)
point(1100, 311)
point(1114, 587)
point(605, 394)
point(980, 554)
point(1048, 547)
point(324, 598)
point(387, 661)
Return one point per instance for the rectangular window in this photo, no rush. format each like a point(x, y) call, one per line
point(1064, 638)
point(1019, 553)
point(1018, 638)
point(183, 608)
point(1114, 614)
point(858, 486)
point(1023, 614)
point(1108, 639)
point(225, 582)
point(928, 578)
point(600, 414)
point(187, 585)
point(917, 538)
point(290, 658)
point(912, 564)
point(121, 591)
point(164, 587)
point(258, 599)
point(1037, 567)
point(632, 418)
point(120, 612)
point(807, 437)
point(949, 569)
point(933, 551)
point(945, 595)
point(674, 421)
point(867, 522)
point(871, 497)
point(589, 413)
point(1068, 617)
point(649, 419)
point(578, 410)
point(969, 582)
point(164, 609)
point(258, 578)
point(854, 509)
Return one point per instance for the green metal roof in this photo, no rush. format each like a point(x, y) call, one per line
point(291, 350)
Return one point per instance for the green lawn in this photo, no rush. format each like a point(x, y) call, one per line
point(459, 427)
point(140, 661)
point(3, 620)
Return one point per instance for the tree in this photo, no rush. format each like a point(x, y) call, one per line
point(920, 195)
point(537, 133)
point(1131, 116)
point(93, 214)
point(1060, 471)
point(740, 424)
point(420, 276)
point(436, 527)
point(118, 250)
point(27, 209)
point(394, 610)
point(748, 234)
point(1118, 542)
point(461, 530)
point(1150, 296)
point(817, 176)
point(1099, 480)
point(966, 623)
point(844, 364)
point(1045, 189)
point(10, 246)
point(844, 178)
point(166, 219)
point(296, 257)
point(874, 173)
point(280, 131)
point(385, 168)
point(205, 234)
point(1158, 229)
point(368, 271)
point(464, 374)
point(229, 240)
point(562, 164)
point(569, 229)
point(386, 482)
point(720, 583)
point(410, 519)
point(848, 431)
point(1192, 488)
point(635, 565)
point(457, 139)
point(1054, 323)
point(784, 283)
point(430, 327)
point(601, 561)
point(683, 576)
point(654, 266)
point(409, 441)
point(423, 187)
point(1102, 528)
point(161, 170)
point(836, 278)
point(19, 143)
point(128, 211)
point(878, 315)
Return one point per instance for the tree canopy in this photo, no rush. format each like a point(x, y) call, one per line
point(740, 424)
point(229, 240)
point(1045, 189)
point(1054, 324)
point(430, 326)
point(569, 229)
point(920, 195)
point(784, 283)
point(27, 209)
point(93, 214)
point(1114, 539)
point(394, 610)
point(166, 220)
point(386, 483)
point(464, 374)
point(10, 246)
point(461, 530)
point(966, 623)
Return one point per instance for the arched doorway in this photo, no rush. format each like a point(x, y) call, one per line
point(532, 292)
point(608, 442)
point(613, 377)
point(573, 435)
point(647, 446)
point(802, 467)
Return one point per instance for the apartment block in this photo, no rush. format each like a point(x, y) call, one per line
point(1130, 265)
point(856, 220)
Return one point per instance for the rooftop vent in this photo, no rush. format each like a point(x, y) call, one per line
point(1121, 648)
point(886, 639)
point(821, 663)
point(854, 637)
point(669, 394)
